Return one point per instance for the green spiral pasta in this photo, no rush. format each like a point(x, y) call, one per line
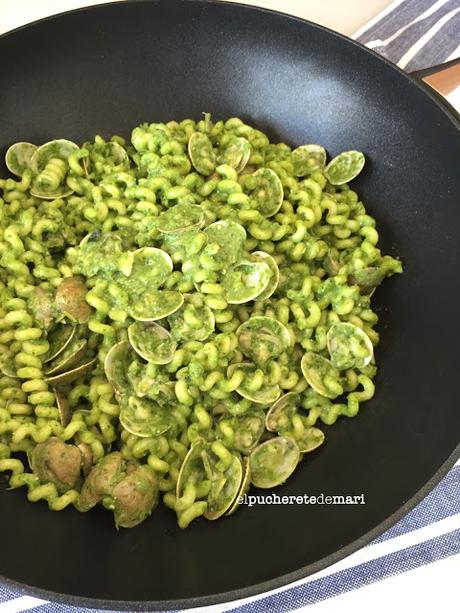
point(178, 315)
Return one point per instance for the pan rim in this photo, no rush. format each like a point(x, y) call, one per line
point(283, 580)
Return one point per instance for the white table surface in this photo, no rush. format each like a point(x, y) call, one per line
point(425, 589)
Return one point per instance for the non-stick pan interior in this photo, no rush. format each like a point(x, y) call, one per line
point(107, 69)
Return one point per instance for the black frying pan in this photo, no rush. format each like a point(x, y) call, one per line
point(106, 69)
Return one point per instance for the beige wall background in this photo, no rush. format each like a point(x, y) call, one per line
point(344, 16)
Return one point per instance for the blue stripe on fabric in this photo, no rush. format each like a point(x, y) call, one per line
point(357, 576)
point(402, 15)
point(439, 47)
point(6, 595)
point(442, 502)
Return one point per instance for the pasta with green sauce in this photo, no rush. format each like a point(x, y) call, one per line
point(179, 315)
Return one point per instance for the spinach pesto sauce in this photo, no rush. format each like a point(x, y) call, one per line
point(179, 315)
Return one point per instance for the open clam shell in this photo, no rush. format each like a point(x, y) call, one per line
point(224, 489)
point(261, 338)
point(65, 412)
point(116, 363)
point(311, 439)
point(152, 342)
point(156, 304)
point(225, 242)
point(236, 153)
point(307, 159)
point(268, 194)
point(70, 376)
point(273, 462)
point(18, 157)
point(192, 469)
point(145, 418)
point(279, 415)
point(344, 167)
point(349, 346)
point(244, 486)
point(69, 358)
point(60, 149)
point(248, 429)
point(151, 267)
point(59, 338)
point(317, 370)
point(54, 153)
point(261, 256)
point(245, 281)
point(201, 153)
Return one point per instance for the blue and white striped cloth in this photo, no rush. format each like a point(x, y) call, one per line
point(419, 555)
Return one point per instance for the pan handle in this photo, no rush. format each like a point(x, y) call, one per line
point(443, 78)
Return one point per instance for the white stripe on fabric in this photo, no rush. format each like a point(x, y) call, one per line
point(382, 43)
point(24, 603)
point(415, 590)
point(377, 18)
point(453, 56)
point(425, 38)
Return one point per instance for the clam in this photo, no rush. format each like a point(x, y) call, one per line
point(224, 489)
point(144, 417)
point(349, 346)
point(152, 342)
point(63, 406)
point(261, 338)
point(367, 279)
point(201, 153)
point(18, 156)
point(181, 217)
point(245, 281)
point(193, 468)
point(236, 153)
point(71, 299)
point(266, 394)
point(156, 304)
point(70, 376)
point(321, 375)
point(68, 358)
point(311, 439)
point(307, 159)
point(248, 429)
point(268, 194)
point(49, 162)
point(225, 242)
point(150, 268)
point(273, 461)
point(59, 338)
point(344, 167)
point(244, 486)
point(261, 256)
point(43, 307)
point(116, 363)
point(279, 415)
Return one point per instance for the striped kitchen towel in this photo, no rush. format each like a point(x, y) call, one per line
point(415, 34)
point(423, 547)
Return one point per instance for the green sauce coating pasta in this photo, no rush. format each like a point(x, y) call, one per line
point(178, 314)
